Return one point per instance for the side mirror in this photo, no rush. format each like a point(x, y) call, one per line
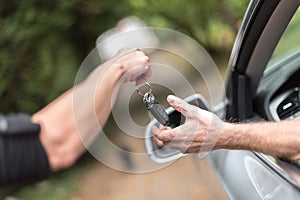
point(166, 154)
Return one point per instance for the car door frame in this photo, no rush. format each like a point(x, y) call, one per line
point(262, 27)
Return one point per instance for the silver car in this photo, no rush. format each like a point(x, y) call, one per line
point(262, 84)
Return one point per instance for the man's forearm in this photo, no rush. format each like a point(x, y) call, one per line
point(278, 139)
point(75, 116)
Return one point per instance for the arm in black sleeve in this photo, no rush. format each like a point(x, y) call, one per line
point(22, 156)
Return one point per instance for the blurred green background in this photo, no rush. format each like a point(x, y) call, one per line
point(42, 44)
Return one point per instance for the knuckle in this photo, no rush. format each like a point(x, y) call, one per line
point(178, 107)
point(146, 58)
point(138, 52)
point(164, 137)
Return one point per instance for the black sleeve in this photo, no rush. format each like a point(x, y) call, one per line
point(22, 156)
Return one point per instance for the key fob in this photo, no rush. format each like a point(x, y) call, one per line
point(156, 109)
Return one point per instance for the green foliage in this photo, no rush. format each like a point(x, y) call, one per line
point(196, 18)
point(34, 50)
point(42, 43)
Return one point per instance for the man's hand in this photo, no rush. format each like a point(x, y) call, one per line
point(203, 131)
point(199, 133)
point(135, 64)
point(131, 65)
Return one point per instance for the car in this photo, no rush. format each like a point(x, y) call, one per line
point(262, 84)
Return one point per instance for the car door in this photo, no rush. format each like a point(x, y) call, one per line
point(262, 84)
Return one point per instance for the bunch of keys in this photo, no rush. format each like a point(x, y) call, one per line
point(154, 106)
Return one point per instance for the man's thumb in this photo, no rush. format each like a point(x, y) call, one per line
point(179, 104)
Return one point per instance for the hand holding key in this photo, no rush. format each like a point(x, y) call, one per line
point(199, 133)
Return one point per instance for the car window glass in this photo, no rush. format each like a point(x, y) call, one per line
point(289, 42)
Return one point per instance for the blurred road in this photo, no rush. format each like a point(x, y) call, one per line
point(187, 178)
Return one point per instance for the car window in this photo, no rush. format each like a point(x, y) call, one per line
point(289, 42)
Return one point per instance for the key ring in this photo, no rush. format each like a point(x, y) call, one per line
point(140, 93)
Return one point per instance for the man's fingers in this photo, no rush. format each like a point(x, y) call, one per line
point(143, 78)
point(180, 105)
point(158, 142)
point(165, 135)
point(155, 139)
point(155, 130)
point(136, 67)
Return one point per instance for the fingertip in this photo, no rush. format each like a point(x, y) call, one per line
point(147, 58)
point(179, 104)
point(154, 129)
point(171, 99)
point(158, 142)
point(174, 102)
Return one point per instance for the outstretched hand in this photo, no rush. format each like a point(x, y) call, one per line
point(199, 133)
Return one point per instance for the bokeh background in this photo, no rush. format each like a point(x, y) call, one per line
point(43, 43)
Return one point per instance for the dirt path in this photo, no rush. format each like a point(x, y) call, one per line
point(180, 180)
point(186, 178)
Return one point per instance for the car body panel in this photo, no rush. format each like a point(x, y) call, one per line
point(246, 177)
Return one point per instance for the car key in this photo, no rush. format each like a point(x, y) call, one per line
point(155, 108)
